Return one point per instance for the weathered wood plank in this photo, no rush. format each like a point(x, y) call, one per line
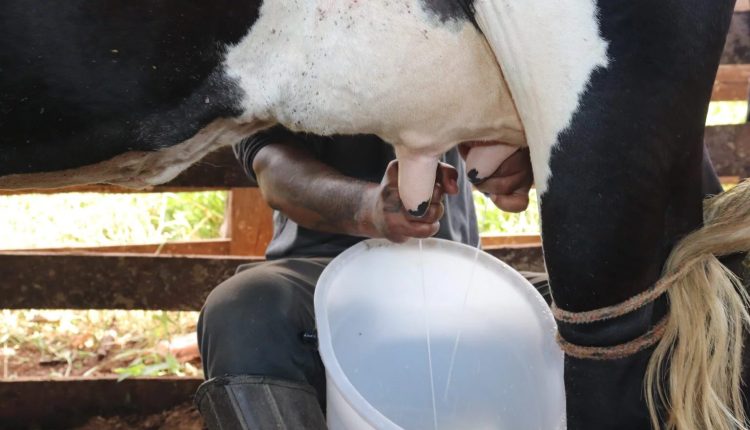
point(95, 281)
point(40, 403)
point(250, 223)
point(221, 247)
point(109, 189)
point(499, 240)
point(737, 49)
point(198, 247)
point(527, 258)
point(90, 281)
point(729, 147)
point(732, 83)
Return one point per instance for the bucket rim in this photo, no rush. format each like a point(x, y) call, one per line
point(335, 374)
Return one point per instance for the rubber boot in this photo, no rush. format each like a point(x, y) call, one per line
point(258, 403)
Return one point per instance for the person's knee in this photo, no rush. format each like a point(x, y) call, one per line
point(245, 304)
point(251, 324)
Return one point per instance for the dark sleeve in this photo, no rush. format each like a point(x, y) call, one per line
point(247, 149)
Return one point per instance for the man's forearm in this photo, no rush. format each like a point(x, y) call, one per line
point(311, 193)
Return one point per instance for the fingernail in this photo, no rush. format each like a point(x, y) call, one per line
point(420, 211)
point(473, 173)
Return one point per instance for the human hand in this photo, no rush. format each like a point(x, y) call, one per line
point(384, 216)
point(508, 187)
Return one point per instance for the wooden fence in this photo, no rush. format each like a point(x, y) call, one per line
point(178, 276)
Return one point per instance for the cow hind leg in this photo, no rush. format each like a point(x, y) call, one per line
point(624, 187)
point(649, 360)
point(608, 226)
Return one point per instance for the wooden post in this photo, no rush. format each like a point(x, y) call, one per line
point(250, 222)
point(731, 82)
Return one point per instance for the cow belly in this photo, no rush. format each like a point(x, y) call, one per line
point(140, 169)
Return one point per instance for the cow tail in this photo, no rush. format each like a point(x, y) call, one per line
point(695, 372)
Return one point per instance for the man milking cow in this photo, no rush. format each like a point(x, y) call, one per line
point(329, 194)
point(609, 96)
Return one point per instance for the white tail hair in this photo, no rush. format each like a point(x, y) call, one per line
point(695, 372)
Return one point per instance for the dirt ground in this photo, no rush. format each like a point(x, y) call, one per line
point(28, 361)
point(182, 417)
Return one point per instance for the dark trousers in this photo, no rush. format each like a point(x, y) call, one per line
point(252, 323)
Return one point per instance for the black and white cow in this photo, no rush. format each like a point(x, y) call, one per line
point(609, 95)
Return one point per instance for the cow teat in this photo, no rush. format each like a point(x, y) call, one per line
point(417, 169)
point(417, 173)
point(484, 158)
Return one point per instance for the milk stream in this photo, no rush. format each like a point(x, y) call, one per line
point(457, 341)
point(460, 328)
point(429, 343)
point(467, 292)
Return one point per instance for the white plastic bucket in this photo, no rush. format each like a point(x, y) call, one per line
point(374, 311)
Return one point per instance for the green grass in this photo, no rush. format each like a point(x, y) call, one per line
point(721, 113)
point(493, 221)
point(92, 342)
point(86, 219)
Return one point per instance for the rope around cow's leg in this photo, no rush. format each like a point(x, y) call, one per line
point(615, 352)
point(701, 337)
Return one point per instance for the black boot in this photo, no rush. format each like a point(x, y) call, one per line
point(258, 403)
